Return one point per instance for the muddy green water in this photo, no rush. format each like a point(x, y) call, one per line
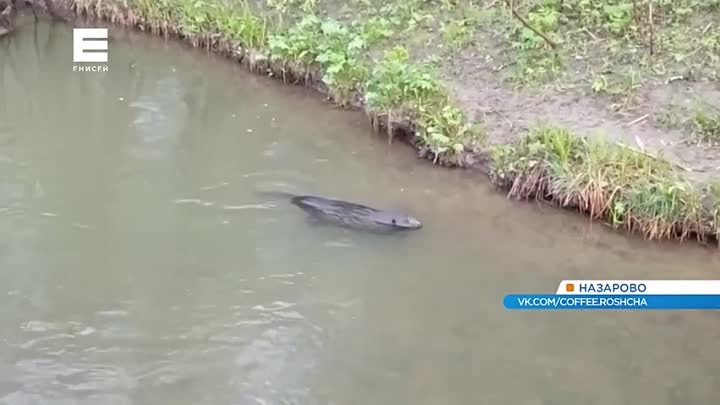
point(139, 266)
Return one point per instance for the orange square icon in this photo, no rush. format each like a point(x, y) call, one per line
point(569, 287)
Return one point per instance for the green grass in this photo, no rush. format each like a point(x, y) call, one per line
point(706, 128)
point(621, 88)
point(621, 186)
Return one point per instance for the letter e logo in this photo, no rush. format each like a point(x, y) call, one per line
point(81, 45)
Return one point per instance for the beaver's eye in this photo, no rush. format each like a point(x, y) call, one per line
point(393, 221)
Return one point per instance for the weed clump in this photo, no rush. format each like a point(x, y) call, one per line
point(399, 90)
point(409, 95)
point(315, 45)
point(619, 185)
point(706, 128)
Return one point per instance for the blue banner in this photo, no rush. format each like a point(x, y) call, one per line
point(640, 302)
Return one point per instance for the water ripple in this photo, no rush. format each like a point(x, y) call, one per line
point(194, 201)
point(274, 306)
point(112, 313)
point(34, 342)
point(214, 186)
point(38, 326)
point(248, 206)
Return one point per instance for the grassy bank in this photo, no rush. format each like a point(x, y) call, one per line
point(387, 58)
point(619, 185)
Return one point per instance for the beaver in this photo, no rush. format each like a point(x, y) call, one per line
point(351, 215)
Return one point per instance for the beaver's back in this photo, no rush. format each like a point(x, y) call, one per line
point(340, 212)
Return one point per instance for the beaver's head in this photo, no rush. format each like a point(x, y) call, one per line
point(398, 220)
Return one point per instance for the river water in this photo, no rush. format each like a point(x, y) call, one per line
point(139, 265)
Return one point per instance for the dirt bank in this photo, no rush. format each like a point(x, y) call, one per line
point(659, 122)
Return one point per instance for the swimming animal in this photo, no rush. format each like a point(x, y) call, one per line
point(351, 215)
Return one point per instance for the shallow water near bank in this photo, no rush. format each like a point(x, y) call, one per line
point(139, 265)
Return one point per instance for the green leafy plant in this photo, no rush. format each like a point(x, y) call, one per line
point(618, 16)
point(446, 131)
point(298, 47)
point(339, 54)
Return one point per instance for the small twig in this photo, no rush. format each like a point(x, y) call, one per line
point(635, 121)
point(639, 143)
point(652, 27)
point(696, 50)
point(499, 68)
point(683, 140)
point(650, 155)
point(706, 28)
point(503, 116)
point(642, 152)
point(635, 12)
point(590, 33)
point(525, 23)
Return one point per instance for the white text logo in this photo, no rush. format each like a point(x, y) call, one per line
point(88, 44)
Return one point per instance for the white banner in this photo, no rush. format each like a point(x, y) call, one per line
point(634, 287)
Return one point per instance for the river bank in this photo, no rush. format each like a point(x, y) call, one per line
point(606, 108)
